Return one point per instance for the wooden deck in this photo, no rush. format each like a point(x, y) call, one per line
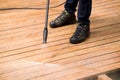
point(24, 57)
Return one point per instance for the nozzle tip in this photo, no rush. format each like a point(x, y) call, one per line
point(44, 42)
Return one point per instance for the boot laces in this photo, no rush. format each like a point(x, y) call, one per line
point(62, 17)
point(80, 30)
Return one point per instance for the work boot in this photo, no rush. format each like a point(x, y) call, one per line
point(81, 34)
point(63, 19)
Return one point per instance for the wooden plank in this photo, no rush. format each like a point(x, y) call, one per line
point(60, 68)
point(54, 48)
point(75, 73)
point(23, 12)
point(36, 38)
point(103, 77)
point(24, 57)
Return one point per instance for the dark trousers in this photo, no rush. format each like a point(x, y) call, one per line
point(84, 9)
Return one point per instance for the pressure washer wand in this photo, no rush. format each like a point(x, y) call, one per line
point(45, 31)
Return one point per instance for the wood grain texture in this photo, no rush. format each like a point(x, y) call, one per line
point(103, 77)
point(24, 57)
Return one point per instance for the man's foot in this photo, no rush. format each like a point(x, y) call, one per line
point(63, 19)
point(81, 34)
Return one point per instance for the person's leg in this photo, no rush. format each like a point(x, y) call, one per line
point(84, 11)
point(67, 16)
point(70, 5)
point(83, 29)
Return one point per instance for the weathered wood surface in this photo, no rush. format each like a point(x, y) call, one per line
point(24, 57)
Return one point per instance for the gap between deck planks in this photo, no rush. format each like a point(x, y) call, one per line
point(23, 57)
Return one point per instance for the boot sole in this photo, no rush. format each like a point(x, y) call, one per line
point(80, 41)
point(73, 22)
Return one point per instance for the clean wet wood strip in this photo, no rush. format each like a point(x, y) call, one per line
point(24, 57)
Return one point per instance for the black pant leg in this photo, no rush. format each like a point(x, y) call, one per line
point(84, 11)
point(70, 5)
